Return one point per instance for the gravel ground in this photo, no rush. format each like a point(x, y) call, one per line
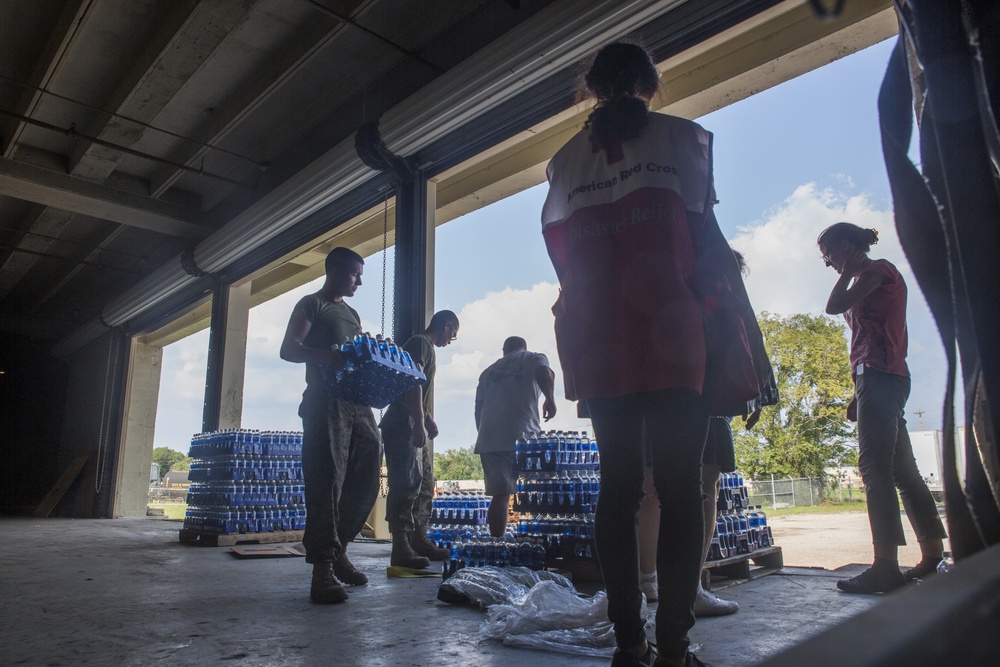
point(830, 541)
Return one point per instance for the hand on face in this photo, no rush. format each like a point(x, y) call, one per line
point(844, 258)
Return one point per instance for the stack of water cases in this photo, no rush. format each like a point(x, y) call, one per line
point(375, 372)
point(245, 481)
point(458, 523)
point(458, 516)
point(557, 486)
point(740, 528)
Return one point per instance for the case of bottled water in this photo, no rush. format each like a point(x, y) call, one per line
point(246, 481)
point(557, 487)
point(376, 371)
point(740, 528)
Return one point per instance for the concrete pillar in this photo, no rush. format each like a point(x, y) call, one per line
point(142, 389)
point(234, 360)
point(227, 352)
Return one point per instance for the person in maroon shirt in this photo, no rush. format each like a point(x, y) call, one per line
point(871, 295)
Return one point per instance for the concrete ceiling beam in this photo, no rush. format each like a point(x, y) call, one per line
point(42, 186)
point(268, 81)
point(47, 224)
point(71, 20)
point(184, 40)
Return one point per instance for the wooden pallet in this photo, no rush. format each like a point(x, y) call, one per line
point(577, 569)
point(730, 571)
point(212, 539)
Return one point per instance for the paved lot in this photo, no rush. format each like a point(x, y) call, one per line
point(833, 540)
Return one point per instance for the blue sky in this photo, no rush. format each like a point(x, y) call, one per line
point(789, 161)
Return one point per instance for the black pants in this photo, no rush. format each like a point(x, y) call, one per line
point(676, 422)
point(885, 459)
point(341, 462)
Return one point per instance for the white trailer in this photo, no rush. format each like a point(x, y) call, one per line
point(928, 453)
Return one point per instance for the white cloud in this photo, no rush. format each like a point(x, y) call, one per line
point(786, 273)
point(485, 323)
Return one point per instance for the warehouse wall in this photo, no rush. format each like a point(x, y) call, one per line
point(32, 394)
point(92, 421)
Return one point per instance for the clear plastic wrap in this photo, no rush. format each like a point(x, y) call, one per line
point(539, 610)
point(488, 586)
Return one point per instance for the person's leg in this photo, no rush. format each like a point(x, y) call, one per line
point(424, 500)
point(719, 454)
point(918, 503)
point(500, 477)
point(649, 525)
point(879, 410)
point(496, 515)
point(618, 429)
point(321, 540)
point(360, 451)
point(404, 485)
point(677, 422)
point(422, 506)
point(710, 476)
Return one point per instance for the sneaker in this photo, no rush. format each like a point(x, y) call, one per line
point(927, 567)
point(623, 658)
point(403, 554)
point(424, 547)
point(647, 584)
point(325, 588)
point(709, 604)
point(871, 580)
point(344, 569)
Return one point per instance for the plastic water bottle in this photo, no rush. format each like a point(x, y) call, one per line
point(947, 563)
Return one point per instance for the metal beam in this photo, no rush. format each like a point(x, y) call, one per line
point(413, 300)
point(42, 186)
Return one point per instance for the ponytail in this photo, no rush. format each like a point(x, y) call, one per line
point(859, 237)
point(622, 78)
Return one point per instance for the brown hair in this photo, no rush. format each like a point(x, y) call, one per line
point(859, 237)
point(622, 79)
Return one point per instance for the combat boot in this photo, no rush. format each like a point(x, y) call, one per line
point(403, 554)
point(344, 570)
point(325, 588)
point(424, 547)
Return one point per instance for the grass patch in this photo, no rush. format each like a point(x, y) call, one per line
point(173, 511)
point(825, 508)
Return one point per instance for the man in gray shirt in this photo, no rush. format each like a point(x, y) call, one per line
point(506, 407)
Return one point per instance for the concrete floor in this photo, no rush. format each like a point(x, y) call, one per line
point(126, 592)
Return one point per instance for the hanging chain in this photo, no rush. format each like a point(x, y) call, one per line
point(385, 245)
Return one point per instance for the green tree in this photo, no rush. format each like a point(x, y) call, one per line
point(458, 464)
point(808, 430)
point(170, 459)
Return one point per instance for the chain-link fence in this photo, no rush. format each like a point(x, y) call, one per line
point(779, 491)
